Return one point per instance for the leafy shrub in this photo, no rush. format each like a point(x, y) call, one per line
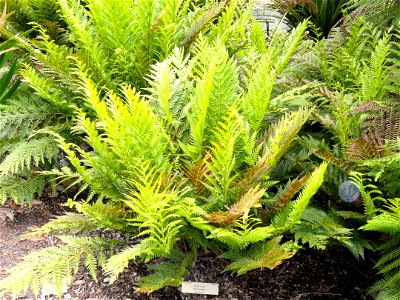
point(383, 13)
point(357, 101)
point(358, 72)
point(184, 168)
point(323, 14)
point(115, 45)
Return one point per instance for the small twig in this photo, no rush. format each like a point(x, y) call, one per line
point(355, 268)
point(298, 297)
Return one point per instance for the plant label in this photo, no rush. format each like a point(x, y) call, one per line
point(200, 288)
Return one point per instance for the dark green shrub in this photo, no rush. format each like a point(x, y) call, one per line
point(323, 14)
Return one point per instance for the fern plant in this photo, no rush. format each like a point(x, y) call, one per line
point(356, 104)
point(387, 222)
point(184, 167)
point(115, 42)
point(383, 13)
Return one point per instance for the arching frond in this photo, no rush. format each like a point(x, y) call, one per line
point(263, 255)
point(55, 266)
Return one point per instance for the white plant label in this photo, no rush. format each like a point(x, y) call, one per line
point(200, 288)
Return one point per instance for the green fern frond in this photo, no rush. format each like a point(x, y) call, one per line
point(295, 97)
point(317, 228)
point(129, 123)
point(21, 189)
point(21, 116)
point(216, 88)
point(241, 238)
point(300, 204)
point(262, 255)
point(170, 90)
point(280, 137)
point(161, 226)
point(374, 77)
point(90, 216)
point(34, 151)
point(311, 187)
point(45, 88)
point(385, 292)
point(369, 193)
point(226, 19)
point(43, 10)
point(349, 215)
point(118, 262)
point(83, 33)
point(54, 266)
point(54, 58)
point(130, 126)
point(389, 267)
point(280, 218)
point(383, 222)
point(105, 215)
point(256, 101)
point(161, 91)
point(389, 263)
point(224, 156)
point(388, 221)
point(113, 23)
point(166, 273)
point(71, 223)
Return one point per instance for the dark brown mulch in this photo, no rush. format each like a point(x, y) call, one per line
point(310, 274)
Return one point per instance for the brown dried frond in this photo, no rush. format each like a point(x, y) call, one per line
point(197, 173)
point(222, 217)
point(324, 91)
point(249, 200)
point(53, 30)
point(241, 208)
point(284, 196)
point(380, 123)
point(157, 21)
point(328, 156)
point(275, 256)
point(290, 191)
point(361, 149)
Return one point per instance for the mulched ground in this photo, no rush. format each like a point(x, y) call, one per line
point(309, 275)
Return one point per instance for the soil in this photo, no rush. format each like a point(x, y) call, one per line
point(309, 275)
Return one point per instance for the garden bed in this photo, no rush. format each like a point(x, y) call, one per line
point(310, 274)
